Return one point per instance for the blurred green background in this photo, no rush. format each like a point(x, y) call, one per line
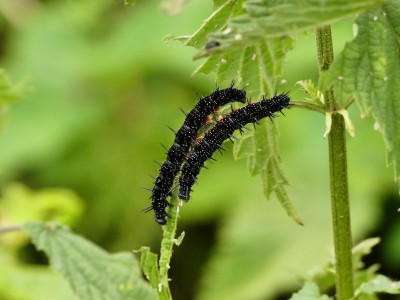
point(103, 88)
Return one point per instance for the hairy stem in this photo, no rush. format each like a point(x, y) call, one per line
point(338, 177)
point(167, 243)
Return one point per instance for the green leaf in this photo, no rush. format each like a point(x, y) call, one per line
point(91, 272)
point(261, 149)
point(258, 68)
point(324, 275)
point(362, 249)
point(148, 262)
point(365, 71)
point(379, 284)
point(310, 291)
point(223, 10)
point(266, 19)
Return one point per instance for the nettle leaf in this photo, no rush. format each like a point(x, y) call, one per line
point(256, 67)
point(149, 264)
point(261, 19)
point(379, 284)
point(91, 272)
point(322, 278)
point(268, 19)
point(367, 70)
point(223, 10)
point(260, 147)
point(310, 291)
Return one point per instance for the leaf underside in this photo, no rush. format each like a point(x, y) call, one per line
point(256, 68)
point(91, 272)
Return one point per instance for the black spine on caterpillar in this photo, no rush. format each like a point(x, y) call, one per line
point(213, 139)
point(184, 138)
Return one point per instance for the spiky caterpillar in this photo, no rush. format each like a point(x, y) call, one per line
point(184, 139)
point(213, 139)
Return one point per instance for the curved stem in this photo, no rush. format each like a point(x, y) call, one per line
point(338, 177)
point(167, 243)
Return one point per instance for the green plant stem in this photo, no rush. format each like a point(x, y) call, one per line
point(338, 177)
point(167, 243)
point(307, 105)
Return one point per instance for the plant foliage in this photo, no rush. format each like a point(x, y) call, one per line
point(365, 71)
point(91, 272)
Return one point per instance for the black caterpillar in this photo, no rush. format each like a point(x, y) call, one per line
point(213, 139)
point(184, 139)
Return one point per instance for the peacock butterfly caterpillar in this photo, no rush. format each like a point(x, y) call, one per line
point(184, 139)
point(222, 130)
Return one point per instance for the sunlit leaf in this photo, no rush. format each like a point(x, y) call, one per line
point(91, 272)
point(223, 10)
point(257, 68)
point(148, 262)
point(268, 19)
point(310, 291)
point(379, 284)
